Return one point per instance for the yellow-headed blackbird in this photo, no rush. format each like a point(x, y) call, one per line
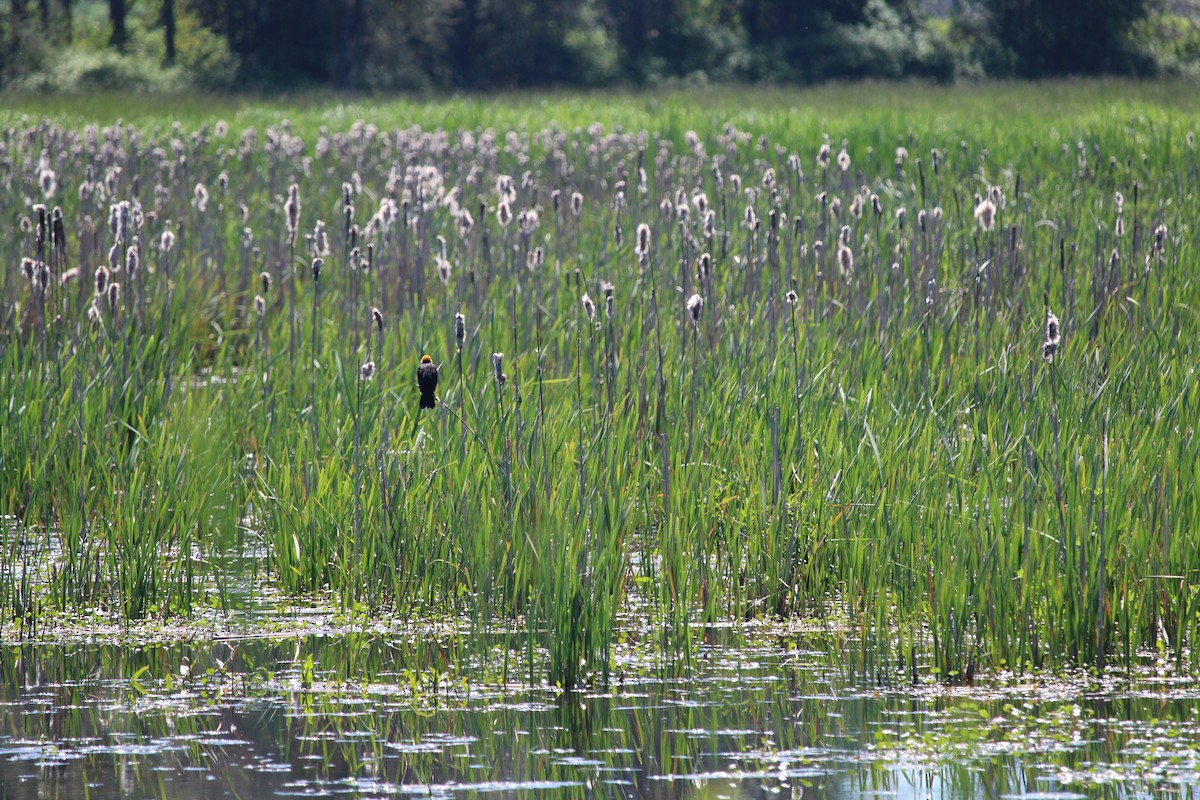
point(427, 377)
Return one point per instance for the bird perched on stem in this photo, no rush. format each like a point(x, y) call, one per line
point(427, 379)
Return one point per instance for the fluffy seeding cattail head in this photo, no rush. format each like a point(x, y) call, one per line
point(985, 213)
point(695, 305)
point(101, 280)
point(576, 203)
point(589, 308)
point(317, 265)
point(498, 368)
point(641, 245)
point(114, 294)
point(377, 319)
point(504, 214)
point(460, 330)
point(367, 371)
point(260, 305)
point(264, 278)
point(791, 297)
point(291, 210)
point(1053, 337)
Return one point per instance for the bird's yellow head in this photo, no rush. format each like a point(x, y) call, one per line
point(425, 359)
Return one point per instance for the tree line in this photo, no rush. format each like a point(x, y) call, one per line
point(479, 44)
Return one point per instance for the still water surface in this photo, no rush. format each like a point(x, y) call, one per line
point(366, 715)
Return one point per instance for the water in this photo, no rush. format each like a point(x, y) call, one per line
point(375, 714)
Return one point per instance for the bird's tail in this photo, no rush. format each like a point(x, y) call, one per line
point(428, 401)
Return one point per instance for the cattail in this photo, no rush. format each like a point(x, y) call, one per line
point(901, 214)
point(921, 220)
point(498, 368)
point(1119, 228)
point(133, 260)
point(114, 294)
point(28, 267)
point(167, 241)
point(535, 258)
point(200, 198)
point(114, 257)
point(704, 266)
point(1120, 201)
point(589, 308)
point(695, 304)
point(291, 210)
point(901, 156)
point(876, 206)
point(528, 221)
point(355, 259)
point(48, 181)
point(555, 200)
point(700, 201)
point(264, 278)
point(320, 240)
point(823, 156)
point(856, 206)
point(317, 264)
point(367, 371)
point(443, 270)
point(1160, 238)
point(504, 214)
point(576, 204)
point(985, 213)
point(70, 276)
point(1052, 329)
point(791, 297)
point(641, 246)
point(843, 160)
point(937, 213)
point(377, 319)
point(102, 274)
point(460, 329)
point(260, 304)
point(710, 224)
point(845, 261)
point(223, 181)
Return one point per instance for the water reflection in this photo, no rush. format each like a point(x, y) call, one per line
point(364, 715)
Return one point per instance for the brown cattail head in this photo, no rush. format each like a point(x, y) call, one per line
point(101, 280)
point(133, 261)
point(576, 204)
point(589, 308)
point(377, 319)
point(264, 278)
point(317, 265)
point(114, 294)
point(460, 329)
point(260, 304)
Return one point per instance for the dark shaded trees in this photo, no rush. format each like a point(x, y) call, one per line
point(1066, 37)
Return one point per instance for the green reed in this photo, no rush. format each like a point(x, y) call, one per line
point(874, 440)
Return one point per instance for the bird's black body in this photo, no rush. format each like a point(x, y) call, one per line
point(427, 378)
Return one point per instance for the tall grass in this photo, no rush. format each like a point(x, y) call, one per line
point(875, 437)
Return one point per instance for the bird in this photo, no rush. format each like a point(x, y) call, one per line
point(427, 378)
